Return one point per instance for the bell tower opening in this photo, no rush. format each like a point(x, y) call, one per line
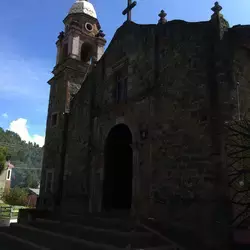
point(118, 169)
point(86, 52)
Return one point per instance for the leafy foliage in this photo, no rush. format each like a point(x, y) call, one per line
point(3, 156)
point(16, 196)
point(26, 157)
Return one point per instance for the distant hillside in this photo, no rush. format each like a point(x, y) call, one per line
point(26, 157)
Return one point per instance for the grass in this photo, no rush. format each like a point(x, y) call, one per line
point(5, 211)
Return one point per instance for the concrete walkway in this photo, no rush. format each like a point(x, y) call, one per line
point(6, 222)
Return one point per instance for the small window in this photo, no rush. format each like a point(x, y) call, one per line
point(125, 89)
point(49, 182)
point(118, 87)
point(121, 88)
point(54, 119)
point(118, 92)
point(8, 174)
point(89, 27)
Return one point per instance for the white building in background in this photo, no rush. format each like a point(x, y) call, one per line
point(5, 178)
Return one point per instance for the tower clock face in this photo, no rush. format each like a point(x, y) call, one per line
point(89, 27)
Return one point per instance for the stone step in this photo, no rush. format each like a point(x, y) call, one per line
point(118, 224)
point(55, 241)
point(118, 214)
point(106, 236)
point(11, 242)
point(169, 247)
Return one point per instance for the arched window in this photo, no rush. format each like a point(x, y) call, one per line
point(86, 52)
point(8, 174)
point(121, 88)
point(65, 51)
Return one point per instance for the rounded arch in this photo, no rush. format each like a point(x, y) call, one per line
point(87, 51)
point(118, 169)
point(121, 134)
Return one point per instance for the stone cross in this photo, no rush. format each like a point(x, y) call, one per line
point(127, 11)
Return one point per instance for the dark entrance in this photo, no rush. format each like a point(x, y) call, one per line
point(118, 169)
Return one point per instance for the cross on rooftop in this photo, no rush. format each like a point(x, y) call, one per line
point(128, 10)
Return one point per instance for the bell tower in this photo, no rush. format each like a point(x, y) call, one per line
point(79, 46)
point(82, 38)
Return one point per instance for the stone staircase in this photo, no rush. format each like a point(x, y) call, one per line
point(90, 232)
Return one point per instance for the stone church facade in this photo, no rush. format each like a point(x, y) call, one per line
point(141, 126)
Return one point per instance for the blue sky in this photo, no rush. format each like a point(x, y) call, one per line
point(29, 29)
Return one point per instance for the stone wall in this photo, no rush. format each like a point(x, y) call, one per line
point(179, 93)
point(75, 185)
point(180, 136)
point(52, 149)
point(64, 86)
point(168, 97)
point(240, 102)
point(240, 41)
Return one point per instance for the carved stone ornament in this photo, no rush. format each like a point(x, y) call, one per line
point(162, 16)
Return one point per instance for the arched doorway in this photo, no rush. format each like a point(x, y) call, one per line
point(118, 169)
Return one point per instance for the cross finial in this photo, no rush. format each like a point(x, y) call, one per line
point(127, 11)
point(162, 16)
point(217, 8)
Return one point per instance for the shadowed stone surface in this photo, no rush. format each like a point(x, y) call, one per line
point(173, 85)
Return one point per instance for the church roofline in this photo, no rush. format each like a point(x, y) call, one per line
point(125, 29)
point(127, 26)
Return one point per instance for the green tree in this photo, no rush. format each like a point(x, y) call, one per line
point(31, 180)
point(26, 157)
point(3, 155)
point(16, 196)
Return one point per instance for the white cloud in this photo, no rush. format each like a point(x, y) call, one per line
point(20, 127)
point(5, 115)
point(38, 139)
point(23, 86)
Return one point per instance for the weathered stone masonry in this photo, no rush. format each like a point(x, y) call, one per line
point(169, 97)
point(180, 89)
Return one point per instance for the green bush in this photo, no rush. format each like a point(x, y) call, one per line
point(16, 197)
point(3, 155)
